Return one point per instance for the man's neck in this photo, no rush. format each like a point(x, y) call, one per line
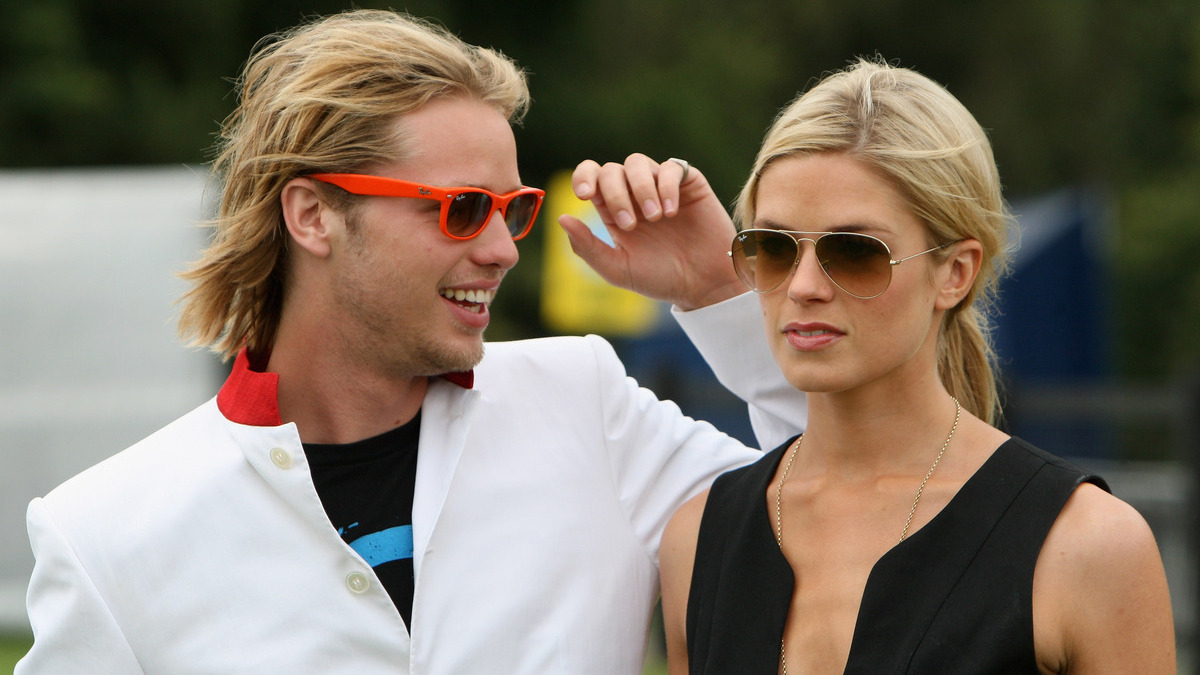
point(335, 400)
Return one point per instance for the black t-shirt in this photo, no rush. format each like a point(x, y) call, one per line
point(367, 490)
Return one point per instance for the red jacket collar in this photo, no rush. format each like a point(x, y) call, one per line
point(251, 397)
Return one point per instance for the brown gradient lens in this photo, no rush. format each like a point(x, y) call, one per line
point(468, 211)
point(763, 258)
point(519, 214)
point(857, 263)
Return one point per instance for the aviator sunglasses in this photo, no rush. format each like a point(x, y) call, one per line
point(464, 210)
point(859, 264)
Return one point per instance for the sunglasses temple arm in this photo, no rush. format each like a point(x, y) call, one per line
point(916, 255)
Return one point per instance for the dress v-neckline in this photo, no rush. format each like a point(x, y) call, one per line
point(958, 591)
point(962, 495)
point(972, 490)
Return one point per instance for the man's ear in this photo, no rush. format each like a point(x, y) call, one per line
point(959, 272)
point(307, 217)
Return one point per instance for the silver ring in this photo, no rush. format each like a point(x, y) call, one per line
point(686, 168)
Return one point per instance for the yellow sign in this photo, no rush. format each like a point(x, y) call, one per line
point(574, 298)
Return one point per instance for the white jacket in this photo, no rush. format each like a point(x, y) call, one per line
point(541, 496)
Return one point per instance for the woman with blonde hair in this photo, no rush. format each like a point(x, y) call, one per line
point(902, 532)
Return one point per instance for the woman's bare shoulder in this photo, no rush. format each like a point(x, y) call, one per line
point(1100, 591)
point(684, 526)
point(1099, 531)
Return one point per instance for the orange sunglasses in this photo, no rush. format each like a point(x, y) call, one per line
point(464, 210)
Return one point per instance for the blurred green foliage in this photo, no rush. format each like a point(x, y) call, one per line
point(12, 648)
point(1103, 93)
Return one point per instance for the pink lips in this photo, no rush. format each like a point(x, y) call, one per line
point(470, 305)
point(807, 337)
point(475, 316)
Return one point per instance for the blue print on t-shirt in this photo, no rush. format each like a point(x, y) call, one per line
point(394, 543)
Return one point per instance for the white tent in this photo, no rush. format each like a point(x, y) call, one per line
point(89, 359)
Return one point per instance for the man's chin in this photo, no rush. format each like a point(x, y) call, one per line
point(456, 361)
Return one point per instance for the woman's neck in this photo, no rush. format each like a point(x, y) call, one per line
point(877, 431)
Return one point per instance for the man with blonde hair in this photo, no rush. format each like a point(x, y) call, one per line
point(370, 492)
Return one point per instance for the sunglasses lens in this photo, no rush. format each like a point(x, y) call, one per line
point(520, 213)
point(859, 264)
point(763, 258)
point(468, 211)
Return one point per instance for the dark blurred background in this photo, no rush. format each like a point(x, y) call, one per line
point(1093, 107)
point(1095, 93)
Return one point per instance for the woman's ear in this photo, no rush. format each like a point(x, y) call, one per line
point(958, 273)
point(307, 217)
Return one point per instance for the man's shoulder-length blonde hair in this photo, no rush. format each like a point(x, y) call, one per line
point(321, 97)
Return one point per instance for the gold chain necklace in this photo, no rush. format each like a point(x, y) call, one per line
point(904, 533)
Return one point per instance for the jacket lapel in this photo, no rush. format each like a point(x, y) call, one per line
point(445, 421)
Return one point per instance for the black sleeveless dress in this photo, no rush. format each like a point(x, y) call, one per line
point(955, 597)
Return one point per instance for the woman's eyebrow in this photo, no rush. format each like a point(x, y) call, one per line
point(863, 226)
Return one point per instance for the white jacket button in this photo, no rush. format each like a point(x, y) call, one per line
point(281, 458)
point(357, 582)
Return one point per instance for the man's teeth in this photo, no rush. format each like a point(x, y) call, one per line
point(475, 296)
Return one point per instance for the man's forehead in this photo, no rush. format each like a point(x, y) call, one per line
point(455, 140)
